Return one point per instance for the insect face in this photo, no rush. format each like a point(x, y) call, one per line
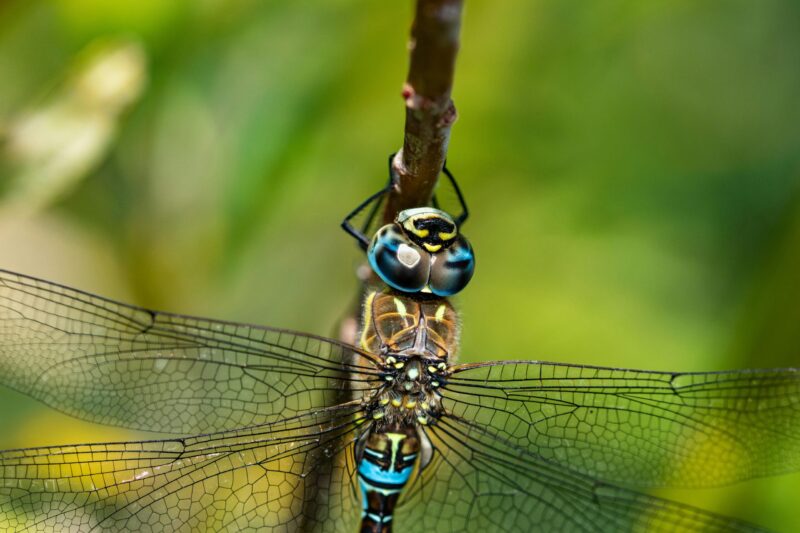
point(422, 251)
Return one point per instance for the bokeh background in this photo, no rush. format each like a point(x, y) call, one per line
point(633, 171)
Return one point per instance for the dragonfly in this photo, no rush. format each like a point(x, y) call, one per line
point(263, 428)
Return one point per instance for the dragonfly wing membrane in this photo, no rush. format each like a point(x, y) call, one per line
point(501, 487)
point(121, 365)
point(638, 428)
point(258, 477)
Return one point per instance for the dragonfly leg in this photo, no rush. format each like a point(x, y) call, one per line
point(376, 200)
point(460, 219)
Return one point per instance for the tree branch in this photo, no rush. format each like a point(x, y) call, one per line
point(429, 109)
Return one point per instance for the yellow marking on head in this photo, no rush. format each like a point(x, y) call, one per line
point(432, 248)
point(440, 311)
point(399, 365)
point(442, 366)
point(447, 236)
point(409, 226)
point(432, 369)
point(366, 319)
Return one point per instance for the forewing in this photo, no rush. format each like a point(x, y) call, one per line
point(479, 482)
point(638, 428)
point(288, 475)
point(118, 364)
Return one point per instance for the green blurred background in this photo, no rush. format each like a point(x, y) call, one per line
point(633, 171)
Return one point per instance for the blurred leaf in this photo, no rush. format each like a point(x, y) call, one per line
point(57, 143)
point(151, 20)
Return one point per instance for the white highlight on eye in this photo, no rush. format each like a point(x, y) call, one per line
point(408, 255)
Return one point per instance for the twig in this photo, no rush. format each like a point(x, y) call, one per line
point(429, 109)
point(429, 115)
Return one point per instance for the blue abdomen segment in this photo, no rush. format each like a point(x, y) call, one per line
point(372, 473)
point(385, 465)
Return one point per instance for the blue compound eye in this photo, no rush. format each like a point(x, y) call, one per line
point(400, 263)
point(452, 268)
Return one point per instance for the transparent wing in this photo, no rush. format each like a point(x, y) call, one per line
point(638, 428)
point(288, 475)
point(481, 482)
point(118, 364)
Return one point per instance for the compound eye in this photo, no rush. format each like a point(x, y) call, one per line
point(452, 268)
point(400, 263)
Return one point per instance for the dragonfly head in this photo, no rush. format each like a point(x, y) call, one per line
point(422, 251)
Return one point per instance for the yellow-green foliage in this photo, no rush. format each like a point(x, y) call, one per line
point(632, 170)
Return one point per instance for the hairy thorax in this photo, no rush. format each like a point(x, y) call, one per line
point(417, 340)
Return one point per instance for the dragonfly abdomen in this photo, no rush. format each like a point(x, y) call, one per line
point(386, 461)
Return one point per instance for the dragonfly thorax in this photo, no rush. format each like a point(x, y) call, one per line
point(416, 340)
point(399, 325)
point(410, 391)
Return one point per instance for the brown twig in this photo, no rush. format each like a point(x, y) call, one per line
point(429, 109)
point(429, 115)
